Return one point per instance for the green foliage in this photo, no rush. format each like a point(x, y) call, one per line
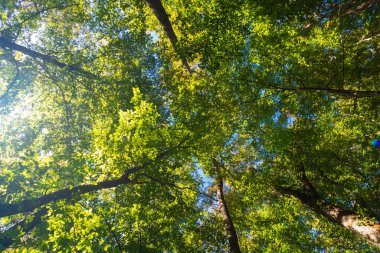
point(276, 86)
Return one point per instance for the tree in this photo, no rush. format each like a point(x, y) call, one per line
point(232, 237)
point(106, 142)
point(163, 17)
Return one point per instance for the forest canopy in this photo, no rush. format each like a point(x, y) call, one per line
point(189, 126)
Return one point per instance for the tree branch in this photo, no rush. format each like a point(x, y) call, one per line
point(5, 43)
point(172, 185)
point(336, 214)
point(339, 92)
point(68, 193)
point(160, 13)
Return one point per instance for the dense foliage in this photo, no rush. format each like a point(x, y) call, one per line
point(189, 126)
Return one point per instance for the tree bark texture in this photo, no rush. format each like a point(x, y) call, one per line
point(233, 240)
point(67, 193)
point(334, 213)
point(160, 13)
point(5, 43)
point(8, 236)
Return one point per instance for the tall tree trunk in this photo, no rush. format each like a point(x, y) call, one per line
point(31, 204)
point(334, 213)
point(229, 227)
point(8, 236)
point(338, 92)
point(68, 193)
point(5, 43)
point(160, 13)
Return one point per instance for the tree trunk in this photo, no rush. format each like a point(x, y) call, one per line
point(338, 92)
point(31, 204)
point(345, 218)
point(7, 237)
point(160, 13)
point(5, 43)
point(229, 227)
point(67, 193)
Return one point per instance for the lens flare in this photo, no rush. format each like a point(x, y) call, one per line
point(375, 143)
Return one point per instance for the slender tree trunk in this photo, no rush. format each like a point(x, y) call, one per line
point(5, 43)
point(67, 193)
point(31, 204)
point(160, 13)
point(345, 218)
point(229, 227)
point(8, 236)
point(339, 92)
